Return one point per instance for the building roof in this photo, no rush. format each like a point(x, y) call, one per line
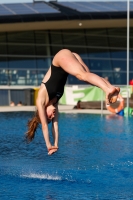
point(53, 10)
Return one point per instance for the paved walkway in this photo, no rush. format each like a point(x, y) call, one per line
point(62, 109)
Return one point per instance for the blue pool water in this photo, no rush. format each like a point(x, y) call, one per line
point(94, 161)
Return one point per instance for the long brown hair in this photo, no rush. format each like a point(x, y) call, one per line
point(32, 127)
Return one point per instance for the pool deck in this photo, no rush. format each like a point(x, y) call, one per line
point(62, 109)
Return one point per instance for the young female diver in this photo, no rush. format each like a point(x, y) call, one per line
point(64, 62)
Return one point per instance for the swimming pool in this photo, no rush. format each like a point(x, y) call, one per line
point(94, 161)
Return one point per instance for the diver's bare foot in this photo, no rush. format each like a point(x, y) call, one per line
point(112, 96)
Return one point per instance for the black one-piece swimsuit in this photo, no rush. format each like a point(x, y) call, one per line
point(55, 84)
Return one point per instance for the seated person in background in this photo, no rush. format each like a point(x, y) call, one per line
point(77, 106)
point(12, 103)
point(19, 103)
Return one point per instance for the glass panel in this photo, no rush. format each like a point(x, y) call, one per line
point(4, 78)
point(41, 37)
point(21, 37)
point(23, 77)
point(26, 77)
point(131, 61)
point(99, 61)
point(13, 77)
point(56, 42)
point(3, 63)
point(99, 56)
point(42, 49)
point(21, 49)
point(119, 68)
point(97, 38)
point(119, 64)
point(56, 37)
point(131, 55)
point(108, 75)
point(131, 37)
point(117, 38)
point(120, 78)
point(131, 70)
point(120, 54)
point(3, 47)
point(103, 51)
point(85, 59)
point(55, 50)
point(32, 77)
point(43, 63)
point(41, 74)
point(75, 41)
point(75, 37)
point(117, 31)
point(17, 77)
point(2, 37)
point(22, 63)
point(72, 80)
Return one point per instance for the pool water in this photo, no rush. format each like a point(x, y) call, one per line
point(94, 160)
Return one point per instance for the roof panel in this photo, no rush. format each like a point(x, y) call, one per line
point(100, 7)
point(116, 6)
point(5, 11)
point(19, 8)
point(75, 6)
point(131, 6)
point(93, 7)
point(97, 6)
point(5, 14)
point(42, 7)
point(82, 7)
point(26, 8)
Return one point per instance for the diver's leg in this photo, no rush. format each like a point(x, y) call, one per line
point(71, 65)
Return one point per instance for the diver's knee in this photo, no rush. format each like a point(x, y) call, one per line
point(81, 77)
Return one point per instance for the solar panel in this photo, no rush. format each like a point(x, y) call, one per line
point(101, 7)
point(113, 6)
point(26, 8)
point(5, 11)
point(120, 6)
point(131, 6)
point(97, 6)
point(19, 8)
point(42, 7)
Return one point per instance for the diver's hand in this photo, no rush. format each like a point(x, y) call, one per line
point(52, 150)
